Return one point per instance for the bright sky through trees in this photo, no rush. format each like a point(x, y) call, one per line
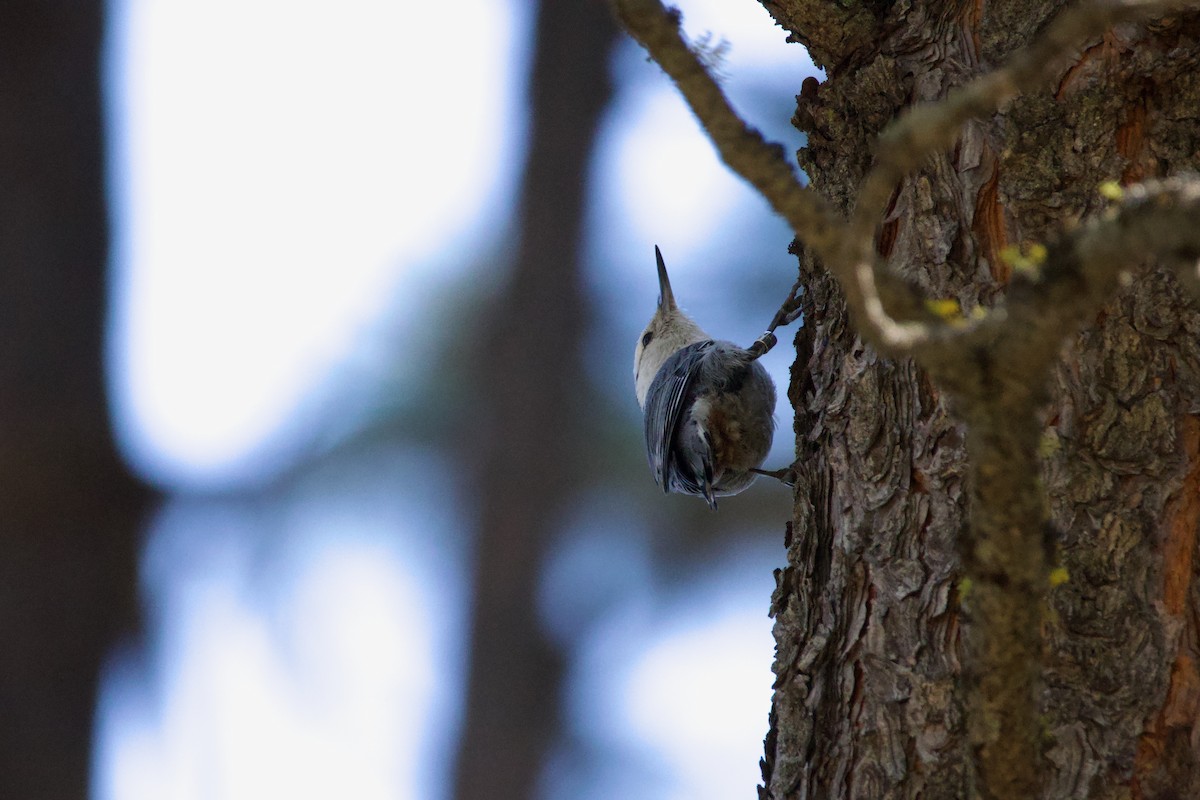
point(280, 168)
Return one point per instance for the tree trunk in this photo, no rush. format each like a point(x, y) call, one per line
point(525, 443)
point(69, 510)
point(870, 610)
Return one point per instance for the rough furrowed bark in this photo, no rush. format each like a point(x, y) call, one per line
point(908, 523)
point(1117, 652)
point(867, 620)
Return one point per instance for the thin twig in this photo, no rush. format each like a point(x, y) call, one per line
point(764, 164)
point(847, 248)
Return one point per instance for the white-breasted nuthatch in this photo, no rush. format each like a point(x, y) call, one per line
point(708, 404)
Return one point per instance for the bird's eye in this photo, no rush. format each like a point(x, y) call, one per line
point(646, 337)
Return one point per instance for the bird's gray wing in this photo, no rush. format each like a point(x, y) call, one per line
point(665, 403)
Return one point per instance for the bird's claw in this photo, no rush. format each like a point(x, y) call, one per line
point(786, 476)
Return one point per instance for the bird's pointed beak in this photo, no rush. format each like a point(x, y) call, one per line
point(666, 300)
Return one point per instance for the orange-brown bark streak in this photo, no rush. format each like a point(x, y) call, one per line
point(1173, 723)
point(1129, 143)
point(1102, 55)
point(972, 18)
point(988, 226)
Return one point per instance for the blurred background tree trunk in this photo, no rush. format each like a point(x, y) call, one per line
point(868, 623)
point(69, 510)
point(527, 443)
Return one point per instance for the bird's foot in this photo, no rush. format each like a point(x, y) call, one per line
point(786, 476)
point(788, 313)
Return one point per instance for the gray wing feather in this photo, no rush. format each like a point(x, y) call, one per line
point(664, 406)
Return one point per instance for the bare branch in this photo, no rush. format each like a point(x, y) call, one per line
point(766, 167)
point(764, 164)
point(847, 249)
